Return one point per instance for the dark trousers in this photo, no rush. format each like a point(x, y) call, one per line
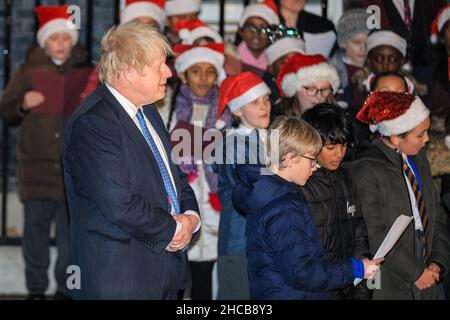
point(39, 215)
point(201, 280)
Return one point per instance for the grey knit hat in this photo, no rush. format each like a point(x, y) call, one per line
point(351, 22)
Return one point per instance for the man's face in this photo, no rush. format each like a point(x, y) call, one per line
point(149, 86)
point(252, 36)
point(385, 58)
point(59, 45)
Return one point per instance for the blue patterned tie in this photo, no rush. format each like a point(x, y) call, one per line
point(172, 198)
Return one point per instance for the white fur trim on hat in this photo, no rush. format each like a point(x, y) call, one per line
point(251, 95)
point(57, 25)
point(443, 18)
point(189, 37)
point(387, 38)
point(404, 123)
point(143, 9)
point(198, 55)
point(178, 7)
point(292, 82)
point(284, 46)
point(447, 141)
point(260, 11)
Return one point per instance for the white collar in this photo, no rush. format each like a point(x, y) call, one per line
point(129, 107)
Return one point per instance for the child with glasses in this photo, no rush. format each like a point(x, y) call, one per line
point(306, 81)
point(285, 257)
point(254, 19)
point(331, 197)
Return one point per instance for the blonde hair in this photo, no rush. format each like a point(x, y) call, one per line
point(289, 134)
point(131, 45)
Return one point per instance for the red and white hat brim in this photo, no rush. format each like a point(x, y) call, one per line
point(283, 47)
point(415, 115)
point(251, 95)
point(260, 11)
point(57, 25)
point(292, 82)
point(178, 7)
point(143, 9)
point(199, 55)
point(443, 18)
point(387, 38)
point(189, 37)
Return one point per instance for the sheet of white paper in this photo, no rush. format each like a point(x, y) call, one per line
point(391, 239)
point(319, 43)
point(393, 235)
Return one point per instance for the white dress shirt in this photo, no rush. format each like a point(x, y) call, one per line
point(131, 110)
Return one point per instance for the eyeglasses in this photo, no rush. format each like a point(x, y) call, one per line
point(313, 91)
point(313, 161)
point(277, 32)
point(253, 29)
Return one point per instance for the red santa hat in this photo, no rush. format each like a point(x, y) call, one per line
point(283, 47)
point(266, 10)
point(54, 19)
point(191, 30)
point(179, 7)
point(438, 23)
point(144, 8)
point(390, 112)
point(188, 55)
point(387, 38)
point(239, 90)
point(302, 70)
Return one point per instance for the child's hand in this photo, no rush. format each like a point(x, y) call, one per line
point(32, 99)
point(371, 267)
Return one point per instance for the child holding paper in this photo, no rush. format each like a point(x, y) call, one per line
point(39, 169)
point(285, 257)
point(393, 178)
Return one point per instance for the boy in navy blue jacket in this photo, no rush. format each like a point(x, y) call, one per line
point(285, 256)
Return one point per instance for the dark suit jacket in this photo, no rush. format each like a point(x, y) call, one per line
point(120, 223)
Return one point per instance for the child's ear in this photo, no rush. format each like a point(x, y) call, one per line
point(237, 113)
point(395, 140)
point(289, 159)
point(182, 77)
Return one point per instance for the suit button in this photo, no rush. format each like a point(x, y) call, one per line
point(57, 135)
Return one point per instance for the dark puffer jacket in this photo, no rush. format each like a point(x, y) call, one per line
point(333, 204)
point(285, 256)
point(39, 165)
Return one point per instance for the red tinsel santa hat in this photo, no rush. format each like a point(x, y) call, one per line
point(266, 10)
point(191, 30)
point(302, 70)
point(188, 55)
point(390, 112)
point(54, 19)
point(438, 23)
point(144, 8)
point(239, 90)
point(283, 47)
point(179, 7)
point(387, 38)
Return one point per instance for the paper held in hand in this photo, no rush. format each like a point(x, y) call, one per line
point(391, 239)
point(393, 235)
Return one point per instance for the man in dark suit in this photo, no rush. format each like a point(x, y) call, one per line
point(132, 212)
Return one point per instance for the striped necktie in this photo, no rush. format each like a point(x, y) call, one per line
point(407, 14)
point(172, 198)
point(419, 200)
